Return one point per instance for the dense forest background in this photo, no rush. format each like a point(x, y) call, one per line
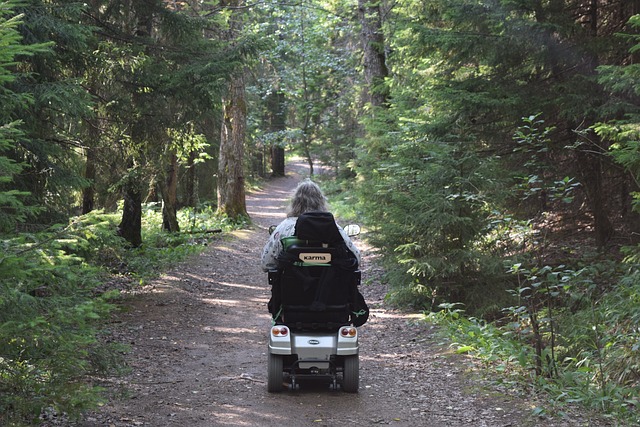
point(491, 148)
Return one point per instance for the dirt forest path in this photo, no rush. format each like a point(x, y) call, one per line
point(198, 337)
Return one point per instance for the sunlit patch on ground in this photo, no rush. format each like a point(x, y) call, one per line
point(222, 302)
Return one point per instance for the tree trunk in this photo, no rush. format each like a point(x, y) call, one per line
point(306, 147)
point(130, 227)
point(206, 172)
point(276, 122)
point(191, 190)
point(591, 159)
point(88, 193)
point(170, 196)
point(231, 194)
point(277, 161)
point(591, 175)
point(375, 67)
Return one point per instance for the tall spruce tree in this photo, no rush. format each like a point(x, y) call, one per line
point(12, 207)
point(493, 63)
point(621, 130)
point(465, 73)
point(52, 124)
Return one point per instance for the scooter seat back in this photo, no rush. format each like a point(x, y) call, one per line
point(317, 276)
point(307, 253)
point(316, 294)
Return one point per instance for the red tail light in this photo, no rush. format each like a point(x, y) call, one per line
point(280, 331)
point(348, 332)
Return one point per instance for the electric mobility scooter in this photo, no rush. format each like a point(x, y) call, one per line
point(316, 307)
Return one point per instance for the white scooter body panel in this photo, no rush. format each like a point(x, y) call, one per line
point(314, 346)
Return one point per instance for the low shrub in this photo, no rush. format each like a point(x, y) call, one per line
point(53, 305)
point(573, 337)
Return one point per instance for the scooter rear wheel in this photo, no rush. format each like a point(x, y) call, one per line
point(351, 374)
point(275, 375)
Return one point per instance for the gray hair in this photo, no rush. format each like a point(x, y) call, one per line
point(308, 197)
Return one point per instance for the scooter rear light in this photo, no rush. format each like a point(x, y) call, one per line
point(280, 331)
point(348, 332)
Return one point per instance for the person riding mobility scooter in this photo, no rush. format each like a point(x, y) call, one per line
point(316, 307)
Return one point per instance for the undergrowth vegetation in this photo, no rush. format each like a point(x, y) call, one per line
point(504, 261)
point(572, 337)
point(54, 298)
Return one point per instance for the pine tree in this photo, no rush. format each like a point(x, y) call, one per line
point(51, 123)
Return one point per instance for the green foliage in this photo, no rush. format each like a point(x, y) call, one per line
point(428, 204)
point(53, 305)
point(453, 182)
point(310, 62)
point(48, 325)
point(91, 94)
point(497, 348)
point(572, 336)
point(534, 317)
point(342, 199)
point(623, 133)
point(48, 78)
point(161, 250)
point(12, 207)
